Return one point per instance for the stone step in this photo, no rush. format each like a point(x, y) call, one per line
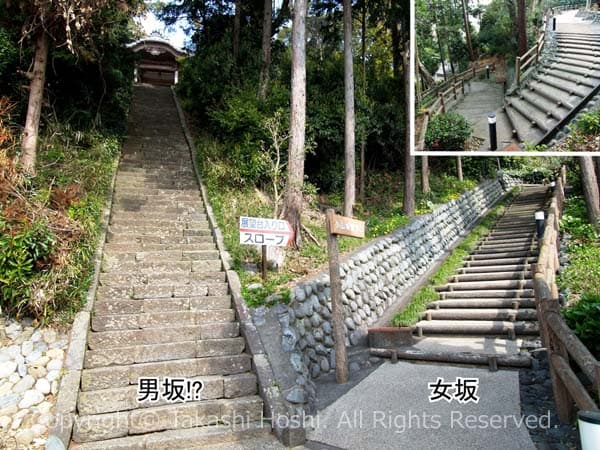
point(485, 285)
point(143, 209)
point(475, 313)
point(558, 97)
point(573, 69)
point(490, 293)
point(156, 231)
point(163, 255)
point(129, 238)
point(126, 398)
point(484, 248)
point(547, 107)
point(483, 303)
point(132, 278)
point(501, 255)
point(489, 276)
point(581, 81)
point(493, 240)
point(112, 248)
point(143, 321)
point(503, 261)
point(122, 376)
point(169, 417)
point(489, 327)
point(166, 290)
point(153, 305)
point(164, 266)
point(533, 115)
point(559, 84)
point(491, 269)
point(112, 339)
point(199, 438)
point(180, 222)
point(121, 356)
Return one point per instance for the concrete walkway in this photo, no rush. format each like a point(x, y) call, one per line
point(567, 22)
point(390, 409)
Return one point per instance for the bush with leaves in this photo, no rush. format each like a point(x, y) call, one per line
point(589, 123)
point(584, 319)
point(447, 131)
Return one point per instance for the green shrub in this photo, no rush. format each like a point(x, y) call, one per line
point(584, 319)
point(448, 131)
point(24, 254)
point(589, 123)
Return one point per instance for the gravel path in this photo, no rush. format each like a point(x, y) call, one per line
point(30, 369)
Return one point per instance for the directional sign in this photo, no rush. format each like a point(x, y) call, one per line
point(260, 231)
point(346, 226)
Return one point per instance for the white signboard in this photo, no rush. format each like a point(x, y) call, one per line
point(261, 231)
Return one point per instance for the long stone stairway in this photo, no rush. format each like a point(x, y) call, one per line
point(564, 81)
point(163, 309)
point(489, 302)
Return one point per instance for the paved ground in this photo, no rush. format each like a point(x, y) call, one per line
point(390, 409)
point(568, 23)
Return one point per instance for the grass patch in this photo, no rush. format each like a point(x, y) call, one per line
point(231, 198)
point(427, 294)
point(49, 224)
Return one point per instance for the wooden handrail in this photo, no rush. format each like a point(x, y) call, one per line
point(561, 343)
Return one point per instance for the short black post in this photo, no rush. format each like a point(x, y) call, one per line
point(487, 72)
point(539, 223)
point(493, 138)
point(554, 24)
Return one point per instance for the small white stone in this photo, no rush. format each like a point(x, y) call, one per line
point(4, 356)
point(25, 436)
point(55, 353)
point(5, 388)
point(38, 430)
point(33, 356)
point(21, 370)
point(26, 348)
point(40, 346)
point(37, 372)
point(14, 378)
point(54, 388)
point(21, 414)
point(40, 442)
point(53, 375)
point(49, 336)
point(16, 423)
point(10, 410)
point(7, 368)
point(13, 351)
point(55, 364)
point(42, 385)
point(45, 419)
point(25, 384)
point(44, 407)
point(41, 361)
point(31, 398)
point(36, 337)
point(5, 422)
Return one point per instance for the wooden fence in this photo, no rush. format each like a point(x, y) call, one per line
point(561, 343)
point(445, 93)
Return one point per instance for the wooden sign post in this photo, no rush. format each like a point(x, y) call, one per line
point(263, 232)
point(347, 227)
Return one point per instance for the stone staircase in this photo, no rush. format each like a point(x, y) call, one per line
point(163, 307)
point(562, 82)
point(492, 294)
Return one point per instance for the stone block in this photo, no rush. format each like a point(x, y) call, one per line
point(240, 385)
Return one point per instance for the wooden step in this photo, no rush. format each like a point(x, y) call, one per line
point(489, 327)
point(475, 313)
point(484, 303)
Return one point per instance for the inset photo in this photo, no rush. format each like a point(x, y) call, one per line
point(506, 77)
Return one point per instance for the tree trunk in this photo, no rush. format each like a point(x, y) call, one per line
point(349, 136)
point(34, 108)
point(468, 30)
point(597, 163)
point(459, 172)
point(237, 25)
point(590, 188)
point(425, 175)
point(292, 208)
point(522, 26)
point(408, 203)
point(363, 59)
point(265, 68)
point(439, 41)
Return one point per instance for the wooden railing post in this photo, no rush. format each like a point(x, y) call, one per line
point(454, 90)
point(441, 95)
point(462, 84)
point(518, 70)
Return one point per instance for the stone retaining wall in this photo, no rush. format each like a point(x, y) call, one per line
point(373, 278)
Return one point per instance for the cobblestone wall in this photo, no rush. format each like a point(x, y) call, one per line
point(373, 278)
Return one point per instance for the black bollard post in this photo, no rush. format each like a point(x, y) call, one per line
point(493, 138)
point(554, 24)
point(539, 224)
point(487, 72)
